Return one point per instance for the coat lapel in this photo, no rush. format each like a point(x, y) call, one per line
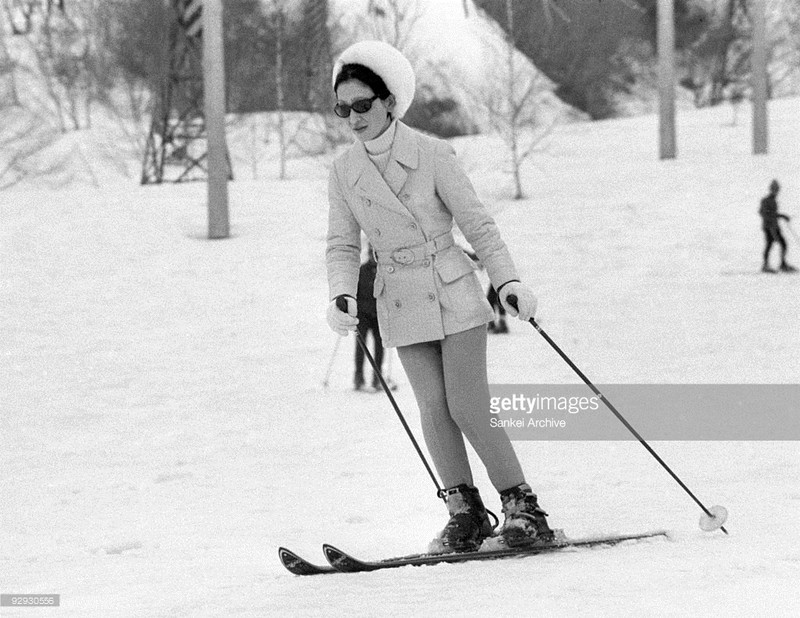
point(367, 181)
point(405, 156)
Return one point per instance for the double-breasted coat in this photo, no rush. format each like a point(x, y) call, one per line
point(426, 286)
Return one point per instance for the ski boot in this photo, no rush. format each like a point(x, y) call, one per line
point(525, 522)
point(766, 269)
point(502, 327)
point(358, 383)
point(788, 268)
point(469, 523)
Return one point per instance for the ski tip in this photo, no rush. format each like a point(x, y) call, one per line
point(292, 561)
point(342, 561)
point(299, 566)
point(334, 554)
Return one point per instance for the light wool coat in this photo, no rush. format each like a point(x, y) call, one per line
point(413, 206)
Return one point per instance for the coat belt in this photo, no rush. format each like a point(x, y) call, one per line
point(405, 256)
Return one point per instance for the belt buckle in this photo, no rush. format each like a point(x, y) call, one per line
point(403, 256)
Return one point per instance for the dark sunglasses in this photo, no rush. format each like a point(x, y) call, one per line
point(362, 106)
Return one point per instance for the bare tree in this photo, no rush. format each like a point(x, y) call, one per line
point(9, 92)
point(395, 22)
point(59, 50)
point(19, 15)
point(719, 58)
point(514, 97)
point(20, 148)
point(65, 53)
point(784, 31)
point(279, 15)
point(719, 63)
point(307, 21)
point(134, 38)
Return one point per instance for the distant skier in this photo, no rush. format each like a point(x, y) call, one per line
point(772, 231)
point(367, 321)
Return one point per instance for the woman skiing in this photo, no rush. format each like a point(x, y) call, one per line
point(404, 190)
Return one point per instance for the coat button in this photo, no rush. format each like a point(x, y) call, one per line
point(431, 296)
point(413, 226)
point(426, 262)
point(377, 231)
point(397, 304)
point(390, 269)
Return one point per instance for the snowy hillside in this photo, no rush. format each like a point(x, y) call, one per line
point(454, 55)
point(164, 427)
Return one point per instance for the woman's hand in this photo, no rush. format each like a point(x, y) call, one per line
point(339, 321)
point(526, 300)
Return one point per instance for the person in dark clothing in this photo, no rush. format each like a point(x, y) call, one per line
point(367, 321)
point(772, 231)
point(499, 325)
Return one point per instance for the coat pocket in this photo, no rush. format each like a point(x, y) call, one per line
point(453, 264)
point(460, 292)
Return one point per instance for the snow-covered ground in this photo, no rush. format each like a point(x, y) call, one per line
point(164, 427)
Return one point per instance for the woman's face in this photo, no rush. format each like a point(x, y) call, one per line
point(372, 123)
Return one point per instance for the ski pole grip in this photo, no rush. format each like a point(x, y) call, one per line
point(341, 303)
point(511, 299)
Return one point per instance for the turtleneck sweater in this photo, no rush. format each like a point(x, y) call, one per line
point(380, 148)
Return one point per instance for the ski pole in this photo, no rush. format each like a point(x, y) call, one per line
point(330, 363)
point(717, 518)
point(791, 229)
point(341, 303)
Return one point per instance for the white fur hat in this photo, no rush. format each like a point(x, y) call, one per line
point(389, 64)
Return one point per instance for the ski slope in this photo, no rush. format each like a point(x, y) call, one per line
point(164, 427)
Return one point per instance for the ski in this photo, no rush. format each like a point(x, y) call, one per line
point(299, 566)
point(346, 563)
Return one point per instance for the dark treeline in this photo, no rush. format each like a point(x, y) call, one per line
point(595, 49)
point(139, 45)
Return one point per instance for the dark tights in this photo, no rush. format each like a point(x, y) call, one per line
point(773, 235)
point(365, 325)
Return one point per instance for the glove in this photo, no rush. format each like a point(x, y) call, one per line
point(339, 321)
point(526, 300)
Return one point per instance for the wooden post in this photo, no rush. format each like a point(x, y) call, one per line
point(666, 79)
point(759, 78)
point(214, 93)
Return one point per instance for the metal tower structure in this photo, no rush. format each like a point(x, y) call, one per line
point(177, 145)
